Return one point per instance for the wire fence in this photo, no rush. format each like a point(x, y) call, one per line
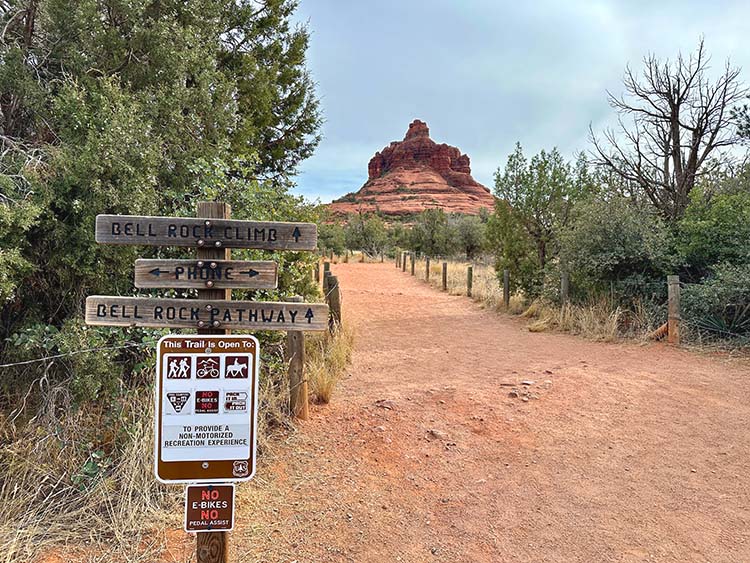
point(710, 313)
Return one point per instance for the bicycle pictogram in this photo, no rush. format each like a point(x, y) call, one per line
point(208, 368)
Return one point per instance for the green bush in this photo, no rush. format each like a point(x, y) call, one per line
point(720, 305)
point(616, 243)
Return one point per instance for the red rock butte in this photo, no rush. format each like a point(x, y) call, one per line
point(415, 174)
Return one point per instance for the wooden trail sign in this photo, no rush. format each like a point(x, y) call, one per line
point(217, 233)
point(209, 508)
point(206, 408)
point(201, 274)
point(204, 313)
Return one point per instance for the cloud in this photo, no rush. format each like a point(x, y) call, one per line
point(486, 73)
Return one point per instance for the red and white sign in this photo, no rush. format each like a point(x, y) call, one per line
point(209, 508)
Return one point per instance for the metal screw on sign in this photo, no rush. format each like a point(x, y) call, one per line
point(204, 465)
point(209, 283)
point(201, 324)
point(201, 242)
point(200, 263)
point(217, 243)
point(209, 307)
point(216, 324)
point(213, 265)
point(208, 223)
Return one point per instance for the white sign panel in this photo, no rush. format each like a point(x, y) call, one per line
point(206, 401)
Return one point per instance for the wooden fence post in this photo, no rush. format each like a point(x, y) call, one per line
point(445, 276)
point(403, 261)
point(469, 280)
point(673, 310)
point(213, 547)
point(316, 272)
point(334, 303)
point(427, 270)
point(413, 260)
point(506, 288)
point(295, 357)
point(564, 287)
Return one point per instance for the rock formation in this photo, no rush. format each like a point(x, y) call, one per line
point(415, 174)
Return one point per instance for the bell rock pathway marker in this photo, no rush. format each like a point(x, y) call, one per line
point(207, 386)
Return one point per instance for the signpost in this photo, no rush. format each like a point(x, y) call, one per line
point(209, 508)
point(203, 313)
point(208, 233)
point(207, 384)
point(201, 274)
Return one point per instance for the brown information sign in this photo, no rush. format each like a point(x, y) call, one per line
point(206, 233)
point(205, 313)
point(206, 408)
point(202, 274)
point(209, 508)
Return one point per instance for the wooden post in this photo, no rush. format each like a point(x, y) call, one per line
point(469, 280)
point(398, 253)
point(427, 270)
point(564, 287)
point(334, 303)
point(506, 288)
point(673, 310)
point(316, 272)
point(382, 257)
point(403, 261)
point(413, 260)
point(445, 276)
point(213, 547)
point(295, 357)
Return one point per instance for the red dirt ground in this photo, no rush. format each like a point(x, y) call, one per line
point(621, 452)
point(629, 453)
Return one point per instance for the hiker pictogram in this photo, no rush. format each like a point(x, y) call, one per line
point(179, 368)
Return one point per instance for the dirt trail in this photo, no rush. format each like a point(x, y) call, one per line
point(629, 453)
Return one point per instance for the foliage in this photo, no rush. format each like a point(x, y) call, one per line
point(470, 234)
point(331, 238)
point(367, 233)
point(615, 240)
point(137, 108)
point(720, 305)
point(715, 230)
point(536, 198)
point(432, 233)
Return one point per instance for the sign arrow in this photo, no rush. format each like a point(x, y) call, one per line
point(309, 316)
point(296, 234)
point(250, 273)
point(157, 272)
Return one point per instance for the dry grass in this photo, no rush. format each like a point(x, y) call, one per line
point(54, 490)
point(326, 359)
point(81, 481)
point(597, 320)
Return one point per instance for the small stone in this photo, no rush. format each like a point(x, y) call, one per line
point(513, 394)
point(527, 382)
point(525, 399)
point(434, 434)
point(379, 429)
point(385, 404)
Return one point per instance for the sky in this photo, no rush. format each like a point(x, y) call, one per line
point(485, 74)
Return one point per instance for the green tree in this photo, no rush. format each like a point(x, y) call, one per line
point(536, 197)
point(715, 230)
point(432, 233)
point(331, 237)
point(139, 108)
point(615, 240)
point(367, 233)
point(470, 234)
